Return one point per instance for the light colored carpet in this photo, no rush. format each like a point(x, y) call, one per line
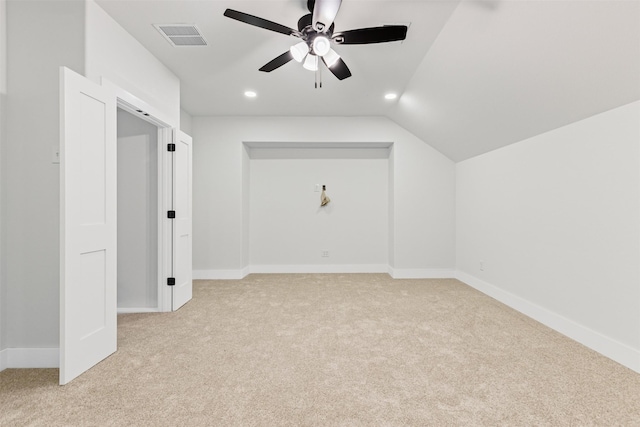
point(334, 350)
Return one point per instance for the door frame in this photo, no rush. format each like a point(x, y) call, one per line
point(147, 112)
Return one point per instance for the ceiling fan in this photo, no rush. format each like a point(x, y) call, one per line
point(316, 31)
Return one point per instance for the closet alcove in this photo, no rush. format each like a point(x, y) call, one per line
point(286, 229)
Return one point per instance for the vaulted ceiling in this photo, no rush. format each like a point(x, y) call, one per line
point(471, 76)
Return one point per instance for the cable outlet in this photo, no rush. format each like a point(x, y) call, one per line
point(324, 254)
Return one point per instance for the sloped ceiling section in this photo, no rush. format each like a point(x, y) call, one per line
point(473, 75)
point(503, 71)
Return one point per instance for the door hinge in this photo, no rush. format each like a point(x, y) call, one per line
point(171, 281)
point(171, 147)
point(171, 214)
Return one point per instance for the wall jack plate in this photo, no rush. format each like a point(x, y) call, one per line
point(55, 155)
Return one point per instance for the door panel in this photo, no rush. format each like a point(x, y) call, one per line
point(88, 323)
point(182, 193)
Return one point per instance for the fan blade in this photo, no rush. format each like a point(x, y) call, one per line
point(324, 13)
point(277, 62)
point(339, 69)
point(388, 33)
point(260, 22)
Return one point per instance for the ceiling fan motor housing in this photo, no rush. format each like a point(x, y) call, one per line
point(309, 35)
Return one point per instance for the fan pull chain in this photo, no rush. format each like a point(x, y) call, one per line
point(319, 78)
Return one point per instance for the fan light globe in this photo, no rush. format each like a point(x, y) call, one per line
point(311, 63)
point(321, 45)
point(299, 51)
point(331, 58)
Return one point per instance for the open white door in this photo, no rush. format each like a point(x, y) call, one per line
point(88, 233)
point(182, 265)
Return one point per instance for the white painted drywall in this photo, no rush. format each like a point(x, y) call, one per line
point(185, 122)
point(555, 220)
point(41, 36)
point(246, 210)
point(424, 198)
point(137, 212)
point(390, 207)
point(113, 53)
point(423, 187)
point(3, 96)
point(289, 227)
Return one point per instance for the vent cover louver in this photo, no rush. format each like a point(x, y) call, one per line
point(181, 34)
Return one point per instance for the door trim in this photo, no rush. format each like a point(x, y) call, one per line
point(139, 108)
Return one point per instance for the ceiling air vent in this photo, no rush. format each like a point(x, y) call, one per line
point(181, 34)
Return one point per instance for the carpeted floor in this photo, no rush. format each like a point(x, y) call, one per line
point(332, 350)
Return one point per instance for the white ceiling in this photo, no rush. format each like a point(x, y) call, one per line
point(473, 75)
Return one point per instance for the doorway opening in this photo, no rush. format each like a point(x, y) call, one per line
point(139, 220)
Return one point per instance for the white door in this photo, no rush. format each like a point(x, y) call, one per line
point(88, 233)
point(182, 160)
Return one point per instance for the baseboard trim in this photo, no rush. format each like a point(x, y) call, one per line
point(421, 273)
point(246, 271)
point(288, 269)
point(130, 310)
point(3, 360)
point(218, 274)
point(617, 351)
point(312, 268)
point(29, 358)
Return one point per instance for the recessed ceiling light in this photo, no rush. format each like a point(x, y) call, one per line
point(390, 96)
point(250, 94)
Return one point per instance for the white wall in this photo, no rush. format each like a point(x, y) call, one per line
point(185, 122)
point(137, 212)
point(556, 221)
point(3, 94)
point(424, 200)
point(391, 204)
point(289, 228)
point(113, 53)
point(41, 35)
point(424, 189)
point(245, 243)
